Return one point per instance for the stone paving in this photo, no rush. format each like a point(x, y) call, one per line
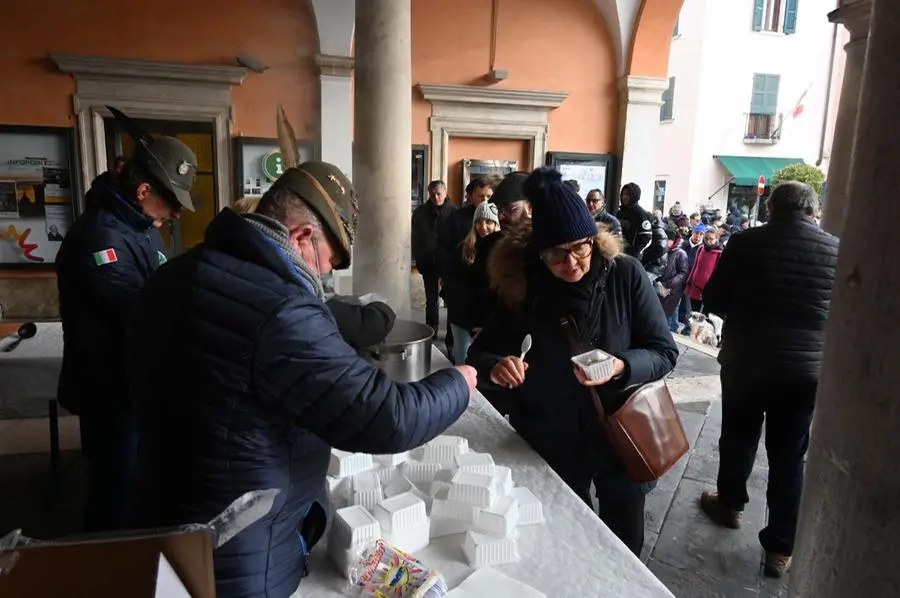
point(691, 556)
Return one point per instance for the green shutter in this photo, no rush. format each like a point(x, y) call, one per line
point(668, 99)
point(759, 12)
point(790, 16)
point(764, 98)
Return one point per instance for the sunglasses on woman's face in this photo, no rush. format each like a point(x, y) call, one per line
point(557, 255)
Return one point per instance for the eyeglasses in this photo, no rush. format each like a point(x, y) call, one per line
point(557, 255)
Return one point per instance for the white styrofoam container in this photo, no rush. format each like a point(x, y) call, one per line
point(444, 449)
point(353, 526)
point(368, 498)
point(443, 508)
point(448, 527)
point(418, 472)
point(365, 481)
point(343, 464)
point(411, 539)
point(499, 520)
point(400, 512)
point(344, 558)
point(391, 460)
point(595, 364)
point(387, 473)
point(339, 488)
point(502, 479)
point(531, 511)
point(473, 489)
point(481, 550)
point(476, 463)
point(444, 475)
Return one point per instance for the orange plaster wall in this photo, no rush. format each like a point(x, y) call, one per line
point(280, 33)
point(653, 37)
point(559, 45)
point(462, 148)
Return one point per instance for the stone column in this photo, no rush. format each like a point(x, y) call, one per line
point(382, 170)
point(850, 517)
point(854, 15)
point(639, 102)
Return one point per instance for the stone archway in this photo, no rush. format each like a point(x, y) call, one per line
point(649, 56)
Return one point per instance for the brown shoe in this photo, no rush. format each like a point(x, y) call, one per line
point(720, 514)
point(776, 565)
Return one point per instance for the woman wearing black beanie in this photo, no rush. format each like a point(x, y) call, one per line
point(560, 268)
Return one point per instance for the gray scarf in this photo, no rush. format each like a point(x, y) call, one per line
point(279, 234)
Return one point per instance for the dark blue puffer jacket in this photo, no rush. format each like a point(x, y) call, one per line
point(243, 382)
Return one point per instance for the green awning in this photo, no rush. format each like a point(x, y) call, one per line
point(747, 170)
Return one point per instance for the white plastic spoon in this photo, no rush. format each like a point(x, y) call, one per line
point(526, 346)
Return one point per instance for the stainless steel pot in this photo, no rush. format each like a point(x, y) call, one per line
point(406, 352)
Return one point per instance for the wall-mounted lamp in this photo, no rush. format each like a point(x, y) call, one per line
point(251, 63)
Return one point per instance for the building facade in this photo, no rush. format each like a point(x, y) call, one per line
point(510, 83)
point(753, 86)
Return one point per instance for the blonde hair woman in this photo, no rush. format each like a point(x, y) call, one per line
point(459, 278)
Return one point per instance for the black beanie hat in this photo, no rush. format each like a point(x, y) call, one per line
point(558, 213)
point(510, 189)
point(634, 192)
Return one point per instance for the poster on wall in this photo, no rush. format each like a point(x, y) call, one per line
point(591, 171)
point(258, 163)
point(36, 194)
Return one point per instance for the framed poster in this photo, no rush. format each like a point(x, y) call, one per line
point(419, 175)
point(482, 169)
point(591, 171)
point(37, 194)
point(257, 163)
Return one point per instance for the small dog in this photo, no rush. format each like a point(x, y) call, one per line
point(706, 329)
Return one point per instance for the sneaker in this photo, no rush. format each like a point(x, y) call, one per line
point(720, 514)
point(776, 565)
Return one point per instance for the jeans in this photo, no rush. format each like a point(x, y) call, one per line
point(684, 310)
point(432, 288)
point(672, 319)
point(109, 443)
point(462, 340)
point(787, 408)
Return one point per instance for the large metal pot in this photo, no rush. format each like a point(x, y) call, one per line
point(406, 352)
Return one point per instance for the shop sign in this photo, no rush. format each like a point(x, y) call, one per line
point(273, 165)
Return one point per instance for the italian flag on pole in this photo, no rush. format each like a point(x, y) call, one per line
point(107, 256)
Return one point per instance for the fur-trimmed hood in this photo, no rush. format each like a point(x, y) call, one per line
point(512, 259)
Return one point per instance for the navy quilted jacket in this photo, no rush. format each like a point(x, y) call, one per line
point(243, 382)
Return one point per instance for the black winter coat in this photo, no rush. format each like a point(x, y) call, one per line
point(552, 411)
point(361, 326)
point(427, 222)
point(637, 226)
point(455, 229)
point(773, 288)
point(104, 261)
point(243, 382)
point(674, 277)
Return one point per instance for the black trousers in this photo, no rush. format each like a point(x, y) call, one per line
point(787, 408)
point(623, 515)
point(432, 288)
point(684, 311)
point(109, 443)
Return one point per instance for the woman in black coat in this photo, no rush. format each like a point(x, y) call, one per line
point(674, 278)
point(561, 267)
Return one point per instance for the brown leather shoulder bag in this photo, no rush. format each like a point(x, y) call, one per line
point(646, 431)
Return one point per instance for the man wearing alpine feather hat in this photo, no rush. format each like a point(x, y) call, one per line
point(243, 381)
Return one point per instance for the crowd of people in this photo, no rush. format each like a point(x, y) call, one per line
point(535, 252)
point(229, 369)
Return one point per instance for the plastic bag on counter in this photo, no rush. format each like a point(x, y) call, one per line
point(383, 570)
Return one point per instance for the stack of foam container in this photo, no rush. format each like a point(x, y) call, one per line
point(463, 492)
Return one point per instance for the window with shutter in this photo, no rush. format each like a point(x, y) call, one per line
point(677, 23)
point(764, 98)
point(759, 12)
point(666, 111)
point(790, 16)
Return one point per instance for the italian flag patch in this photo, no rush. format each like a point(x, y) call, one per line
point(107, 256)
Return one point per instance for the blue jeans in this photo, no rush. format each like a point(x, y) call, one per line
point(672, 319)
point(462, 340)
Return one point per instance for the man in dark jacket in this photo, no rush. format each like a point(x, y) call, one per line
point(654, 256)
point(636, 221)
point(596, 204)
point(104, 180)
point(427, 220)
point(264, 384)
point(105, 259)
point(773, 288)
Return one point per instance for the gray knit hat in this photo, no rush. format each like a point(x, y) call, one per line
point(487, 211)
